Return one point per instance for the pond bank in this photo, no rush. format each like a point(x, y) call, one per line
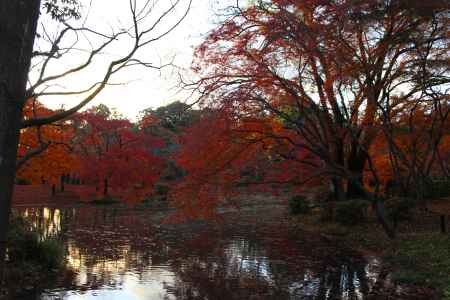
point(256, 252)
point(418, 261)
point(33, 261)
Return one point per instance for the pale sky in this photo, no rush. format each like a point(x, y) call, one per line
point(145, 87)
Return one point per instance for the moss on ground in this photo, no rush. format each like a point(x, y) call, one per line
point(422, 259)
point(417, 259)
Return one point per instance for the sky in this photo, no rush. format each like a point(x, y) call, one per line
point(137, 88)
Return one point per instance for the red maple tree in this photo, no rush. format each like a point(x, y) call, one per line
point(331, 72)
point(116, 158)
point(224, 156)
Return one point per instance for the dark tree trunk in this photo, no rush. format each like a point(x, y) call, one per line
point(353, 191)
point(382, 219)
point(63, 180)
point(105, 187)
point(356, 162)
point(380, 212)
point(338, 189)
point(338, 183)
point(443, 223)
point(18, 21)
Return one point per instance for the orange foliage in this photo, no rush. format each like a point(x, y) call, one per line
point(224, 156)
point(57, 158)
point(109, 154)
point(420, 140)
point(331, 71)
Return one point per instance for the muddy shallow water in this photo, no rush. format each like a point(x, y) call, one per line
point(117, 253)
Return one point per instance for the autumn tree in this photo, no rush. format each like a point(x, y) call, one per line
point(169, 122)
point(224, 156)
point(410, 150)
point(114, 156)
point(173, 116)
point(45, 152)
point(328, 70)
point(18, 30)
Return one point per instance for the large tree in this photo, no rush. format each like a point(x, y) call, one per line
point(332, 71)
point(18, 30)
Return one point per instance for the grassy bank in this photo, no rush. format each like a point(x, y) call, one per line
point(421, 259)
point(32, 260)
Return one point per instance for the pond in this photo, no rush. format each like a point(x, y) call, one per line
point(121, 253)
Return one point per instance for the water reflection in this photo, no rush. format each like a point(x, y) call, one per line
point(47, 220)
point(126, 254)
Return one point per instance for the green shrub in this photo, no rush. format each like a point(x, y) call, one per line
point(399, 208)
point(299, 205)
point(22, 181)
point(408, 277)
point(351, 212)
point(430, 189)
point(106, 200)
point(173, 171)
point(25, 247)
point(438, 188)
point(162, 189)
point(51, 253)
point(327, 211)
point(23, 243)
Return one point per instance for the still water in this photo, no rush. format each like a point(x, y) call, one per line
point(117, 253)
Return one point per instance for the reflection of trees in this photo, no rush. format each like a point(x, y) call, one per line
point(246, 269)
point(226, 269)
point(197, 279)
point(106, 246)
point(48, 222)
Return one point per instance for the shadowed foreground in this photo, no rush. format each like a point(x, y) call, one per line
point(126, 254)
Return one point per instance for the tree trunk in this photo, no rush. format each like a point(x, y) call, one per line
point(62, 180)
point(105, 187)
point(353, 190)
point(356, 162)
point(338, 183)
point(443, 223)
point(381, 216)
point(18, 20)
point(380, 212)
point(338, 189)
